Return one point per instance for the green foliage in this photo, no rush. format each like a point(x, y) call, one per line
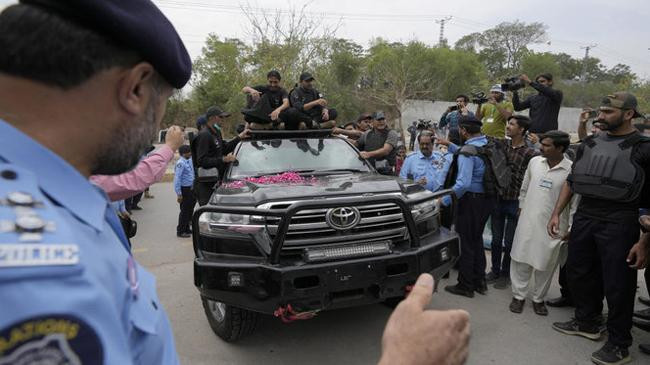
point(503, 47)
point(534, 64)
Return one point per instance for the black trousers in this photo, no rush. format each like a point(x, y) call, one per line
point(473, 213)
point(291, 118)
point(318, 118)
point(564, 283)
point(646, 276)
point(203, 191)
point(187, 208)
point(597, 267)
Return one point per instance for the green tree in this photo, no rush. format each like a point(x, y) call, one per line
point(503, 47)
point(534, 64)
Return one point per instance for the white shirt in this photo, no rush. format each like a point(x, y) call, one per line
point(539, 192)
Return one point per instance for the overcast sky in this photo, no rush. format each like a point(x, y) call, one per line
point(620, 28)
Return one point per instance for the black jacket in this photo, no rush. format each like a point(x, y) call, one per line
point(300, 96)
point(544, 107)
point(208, 150)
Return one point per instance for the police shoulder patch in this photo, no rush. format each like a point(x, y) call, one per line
point(50, 339)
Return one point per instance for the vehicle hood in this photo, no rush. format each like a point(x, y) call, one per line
point(355, 184)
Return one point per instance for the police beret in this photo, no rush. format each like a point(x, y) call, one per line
point(137, 25)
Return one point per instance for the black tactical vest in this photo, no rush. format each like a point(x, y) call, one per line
point(604, 169)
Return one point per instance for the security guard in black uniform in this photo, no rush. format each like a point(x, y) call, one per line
point(210, 154)
point(611, 173)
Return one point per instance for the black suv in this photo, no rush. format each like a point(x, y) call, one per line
point(341, 235)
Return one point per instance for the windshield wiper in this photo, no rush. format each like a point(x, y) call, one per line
point(336, 171)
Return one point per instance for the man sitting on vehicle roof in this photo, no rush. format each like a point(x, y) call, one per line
point(310, 103)
point(268, 106)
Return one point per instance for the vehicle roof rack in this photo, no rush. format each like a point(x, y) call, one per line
point(263, 134)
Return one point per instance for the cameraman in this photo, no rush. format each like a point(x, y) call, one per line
point(452, 116)
point(544, 107)
point(494, 114)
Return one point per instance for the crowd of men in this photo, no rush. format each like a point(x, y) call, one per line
point(517, 172)
point(572, 205)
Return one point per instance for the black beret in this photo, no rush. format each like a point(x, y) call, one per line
point(137, 25)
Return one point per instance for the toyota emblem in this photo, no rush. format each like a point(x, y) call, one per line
point(343, 218)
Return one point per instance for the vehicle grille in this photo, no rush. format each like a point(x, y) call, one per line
point(379, 222)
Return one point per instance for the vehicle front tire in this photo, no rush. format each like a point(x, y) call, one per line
point(228, 322)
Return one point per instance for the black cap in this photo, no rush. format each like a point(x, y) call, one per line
point(622, 100)
point(378, 115)
point(201, 120)
point(306, 76)
point(364, 116)
point(215, 110)
point(137, 25)
point(470, 120)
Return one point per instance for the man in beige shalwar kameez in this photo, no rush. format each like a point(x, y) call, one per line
point(534, 252)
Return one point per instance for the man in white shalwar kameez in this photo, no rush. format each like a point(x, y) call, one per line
point(534, 253)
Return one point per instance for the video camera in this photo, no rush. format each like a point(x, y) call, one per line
point(423, 124)
point(479, 98)
point(512, 84)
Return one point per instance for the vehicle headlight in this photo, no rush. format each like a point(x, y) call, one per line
point(425, 209)
point(215, 223)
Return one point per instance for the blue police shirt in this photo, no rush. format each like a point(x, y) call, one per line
point(434, 168)
point(183, 174)
point(69, 284)
point(470, 171)
point(452, 119)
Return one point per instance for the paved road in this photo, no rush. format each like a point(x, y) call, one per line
point(344, 336)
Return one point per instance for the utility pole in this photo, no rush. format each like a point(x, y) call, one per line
point(583, 76)
point(442, 41)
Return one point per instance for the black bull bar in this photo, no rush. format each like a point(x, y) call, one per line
point(267, 281)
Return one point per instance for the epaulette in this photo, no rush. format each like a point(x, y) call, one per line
point(32, 231)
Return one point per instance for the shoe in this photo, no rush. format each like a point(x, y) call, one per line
point(641, 324)
point(183, 235)
point(611, 354)
point(645, 348)
point(458, 290)
point(517, 306)
point(560, 302)
point(643, 314)
point(540, 309)
point(136, 207)
point(573, 327)
point(481, 287)
point(502, 283)
point(491, 277)
point(147, 195)
point(644, 300)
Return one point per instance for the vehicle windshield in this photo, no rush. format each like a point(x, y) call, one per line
point(256, 158)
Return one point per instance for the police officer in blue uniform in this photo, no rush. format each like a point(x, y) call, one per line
point(427, 167)
point(83, 86)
